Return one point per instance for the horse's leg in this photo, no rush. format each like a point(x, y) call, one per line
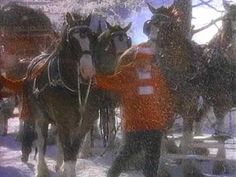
point(187, 138)
point(88, 142)
point(52, 134)
point(220, 167)
point(60, 157)
point(219, 125)
point(27, 138)
point(111, 126)
point(85, 150)
point(42, 132)
point(190, 167)
point(20, 132)
point(70, 147)
point(162, 170)
point(5, 126)
point(1, 126)
point(96, 130)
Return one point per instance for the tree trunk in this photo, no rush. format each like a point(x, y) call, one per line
point(185, 7)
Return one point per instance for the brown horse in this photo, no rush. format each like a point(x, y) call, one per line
point(60, 94)
point(191, 71)
point(56, 94)
point(222, 90)
point(111, 44)
point(221, 93)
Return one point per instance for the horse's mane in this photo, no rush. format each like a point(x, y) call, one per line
point(17, 18)
point(104, 36)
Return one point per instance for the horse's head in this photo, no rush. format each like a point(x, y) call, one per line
point(111, 44)
point(78, 42)
point(228, 37)
point(164, 26)
point(165, 31)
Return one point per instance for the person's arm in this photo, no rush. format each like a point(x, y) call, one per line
point(110, 82)
point(12, 85)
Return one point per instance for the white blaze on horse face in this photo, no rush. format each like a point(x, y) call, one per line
point(84, 42)
point(120, 45)
point(86, 67)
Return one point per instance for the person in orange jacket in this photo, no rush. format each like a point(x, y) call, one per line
point(147, 108)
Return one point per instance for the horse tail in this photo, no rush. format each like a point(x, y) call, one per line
point(14, 85)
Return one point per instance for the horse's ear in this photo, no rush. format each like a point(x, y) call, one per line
point(226, 5)
point(88, 19)
point(109, 26)
point(151, 8)
point(127, 27)
point(69, 18)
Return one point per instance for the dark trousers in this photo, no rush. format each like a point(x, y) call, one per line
point(134, 142)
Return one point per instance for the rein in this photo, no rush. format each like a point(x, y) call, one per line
point(82, 105)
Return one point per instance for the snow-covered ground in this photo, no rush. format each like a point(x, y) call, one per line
point(11, 165)
point(98, 164)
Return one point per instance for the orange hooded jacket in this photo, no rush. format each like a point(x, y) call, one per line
point(146, 102)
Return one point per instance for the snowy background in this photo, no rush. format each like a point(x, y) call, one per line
point(97, 165)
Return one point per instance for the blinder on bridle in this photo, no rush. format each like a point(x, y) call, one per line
point(83, 31)
point(156, 20)
point(121, 35)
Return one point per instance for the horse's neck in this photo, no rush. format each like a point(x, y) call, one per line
point(67, 66)
point(178, 54)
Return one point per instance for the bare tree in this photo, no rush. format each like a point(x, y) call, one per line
point(185, 7)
